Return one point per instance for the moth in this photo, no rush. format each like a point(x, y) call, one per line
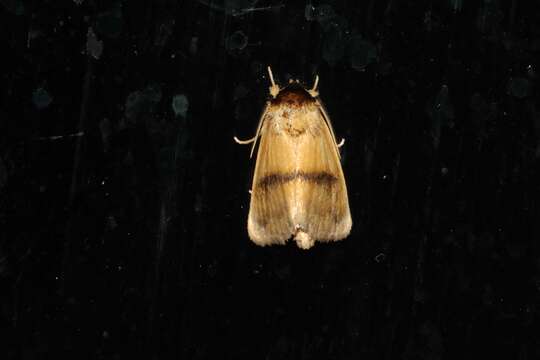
point(298, 187)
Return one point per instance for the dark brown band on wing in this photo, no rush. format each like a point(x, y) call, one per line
point(319, 178)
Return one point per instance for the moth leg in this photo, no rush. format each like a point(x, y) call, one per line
point(248, 141)
point(341, 143)
point(245, 142)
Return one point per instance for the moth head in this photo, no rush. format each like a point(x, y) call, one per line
point(275, 89)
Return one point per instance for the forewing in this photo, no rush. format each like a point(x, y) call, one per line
point(269, 220)
point(322, 201)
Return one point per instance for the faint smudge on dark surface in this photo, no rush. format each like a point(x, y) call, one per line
point(334, 44)
point(231, 7)
point(441, 112)
point(41, 98)
point(519, 87)
point(110, 22)
point(94, 47)
point(143, 101)
point(324, 14)
point(237, 41)
point(180, 105)
point(361, 53)
point(13, 6)
point(3, 174)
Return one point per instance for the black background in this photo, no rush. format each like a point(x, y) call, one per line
point(123, 217)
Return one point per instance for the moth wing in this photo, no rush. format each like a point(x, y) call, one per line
point(269, 219)
point(322, 201)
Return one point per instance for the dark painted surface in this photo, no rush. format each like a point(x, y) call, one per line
point(123, 199)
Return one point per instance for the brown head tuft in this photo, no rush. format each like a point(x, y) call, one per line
point(293, 96)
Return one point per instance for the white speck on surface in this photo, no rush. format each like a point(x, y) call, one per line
point(380, 257)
